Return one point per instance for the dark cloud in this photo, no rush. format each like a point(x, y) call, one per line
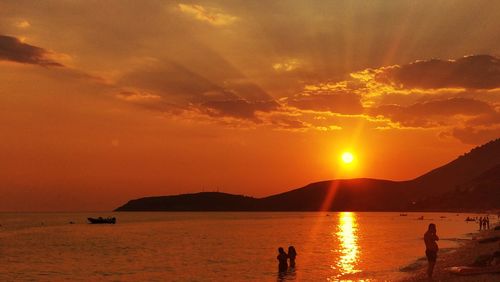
point(486, 119)
point(473, 72)
point(233, 97)
point(343, 103)
point(433, 113)
point(12, 49)
point(238, 108)
point(246, 89)
point(479, 129)
point(289, 123)
point(476, 136)
point(176, 82)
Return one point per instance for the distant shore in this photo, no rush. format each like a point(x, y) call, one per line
point(464, 255)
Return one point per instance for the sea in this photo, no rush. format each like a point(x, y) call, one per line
point(221, 246)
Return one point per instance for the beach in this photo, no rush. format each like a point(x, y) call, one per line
point(464, 255)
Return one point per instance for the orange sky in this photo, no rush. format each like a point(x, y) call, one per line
point(101, 102)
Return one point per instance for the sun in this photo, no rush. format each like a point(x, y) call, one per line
point(347, 157)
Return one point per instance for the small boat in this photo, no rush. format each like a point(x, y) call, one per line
point(420, 218)
point(470, 219)
point(403, 214)
point(100, 220)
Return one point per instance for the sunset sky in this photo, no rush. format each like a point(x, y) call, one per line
point(105, 101)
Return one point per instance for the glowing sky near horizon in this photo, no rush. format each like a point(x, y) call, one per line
point(101, 102)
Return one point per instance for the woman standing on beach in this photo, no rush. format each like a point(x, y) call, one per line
point(431, 247)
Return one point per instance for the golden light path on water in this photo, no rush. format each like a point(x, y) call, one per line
point(349, 250)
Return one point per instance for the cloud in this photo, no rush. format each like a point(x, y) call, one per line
point(479, 129)
point(286, 65)
point(473, 72)
point(131, 96)
point(290, 124)
point(238, 108)
point(12, 49)
point(246, 89)
point(233, 96)
point(433, 113)
point(486, 119)
point(222, 94)
point(176, 82)
point(475, 136)
point(342, 103)
point(212, 16)
point(22, 24)
point(453, 108)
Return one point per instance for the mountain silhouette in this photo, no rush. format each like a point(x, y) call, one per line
point(347, 194)
point(460, 171)
point(482, 192)
point(470, 182)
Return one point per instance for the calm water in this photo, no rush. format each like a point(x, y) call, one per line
point(217, 246)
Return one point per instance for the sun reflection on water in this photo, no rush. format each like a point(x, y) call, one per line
point(348, 238)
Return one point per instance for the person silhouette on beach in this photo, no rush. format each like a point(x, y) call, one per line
point(431, 247)
point(282, 260)
point(292, 254)
point(480, 223)
point(487, 222)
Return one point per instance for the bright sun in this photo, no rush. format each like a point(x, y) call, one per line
point(347, 157)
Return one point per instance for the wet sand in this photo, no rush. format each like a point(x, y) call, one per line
point(466, 254)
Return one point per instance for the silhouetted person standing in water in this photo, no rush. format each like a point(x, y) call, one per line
point(282, 259)
point(487, 223)
point(480, 223)
point(431, 247)
point(291, 255)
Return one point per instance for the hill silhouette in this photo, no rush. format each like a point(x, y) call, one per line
point(203, 201)
point(460, 171)
point(482, 192)
point(347, 194)
point(470, 182)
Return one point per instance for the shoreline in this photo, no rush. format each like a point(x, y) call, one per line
point(465, 254)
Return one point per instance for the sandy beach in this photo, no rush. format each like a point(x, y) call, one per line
point(465, 255)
